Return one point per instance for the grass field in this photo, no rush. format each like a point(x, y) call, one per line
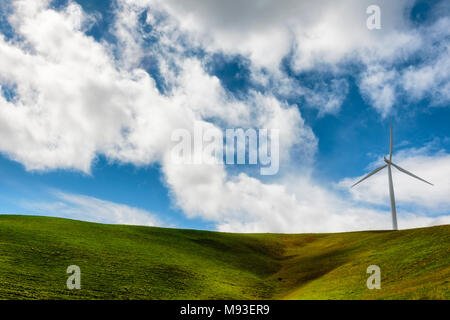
point(129, 262)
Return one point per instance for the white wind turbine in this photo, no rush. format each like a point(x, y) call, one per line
point(388, 164)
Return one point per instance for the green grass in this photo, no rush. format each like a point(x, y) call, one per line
point(129, 262)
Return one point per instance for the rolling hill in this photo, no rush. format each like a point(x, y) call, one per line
point(131, 262)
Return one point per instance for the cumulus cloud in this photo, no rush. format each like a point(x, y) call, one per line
point(66, 88)
point(378, 85)
point(431, 78)
point(91, 209)
point(294, 203)
point(69, 86)
point(74, 100)
point(325, 35)
point(323, 31)
point(327, 98)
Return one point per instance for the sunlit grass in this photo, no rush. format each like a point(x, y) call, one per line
point(128, 262)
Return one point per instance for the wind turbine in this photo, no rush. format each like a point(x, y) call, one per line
point(388, 164)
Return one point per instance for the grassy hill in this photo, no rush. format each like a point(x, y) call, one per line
point(129, 262)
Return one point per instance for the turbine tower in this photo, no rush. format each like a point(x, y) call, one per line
point(388, 164)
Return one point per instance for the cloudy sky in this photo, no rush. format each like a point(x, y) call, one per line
point(91, 92)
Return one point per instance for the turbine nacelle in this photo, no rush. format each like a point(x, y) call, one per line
point(387, 161)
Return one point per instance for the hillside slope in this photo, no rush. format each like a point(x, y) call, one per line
point(129, 262)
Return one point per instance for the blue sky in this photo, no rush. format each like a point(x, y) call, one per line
point(68, 153)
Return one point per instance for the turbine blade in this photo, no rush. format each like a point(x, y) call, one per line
point(370, 174)
point(391, 144)
point(409, 173)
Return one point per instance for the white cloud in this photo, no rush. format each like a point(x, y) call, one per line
point(428, 78)
point(431, 79)
point(74, 100)
point(379, 86)
point(323, 35)
point(323, 31)
point(66, 89)
point(292, 204)
point(91, 209)
point(327, 98)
